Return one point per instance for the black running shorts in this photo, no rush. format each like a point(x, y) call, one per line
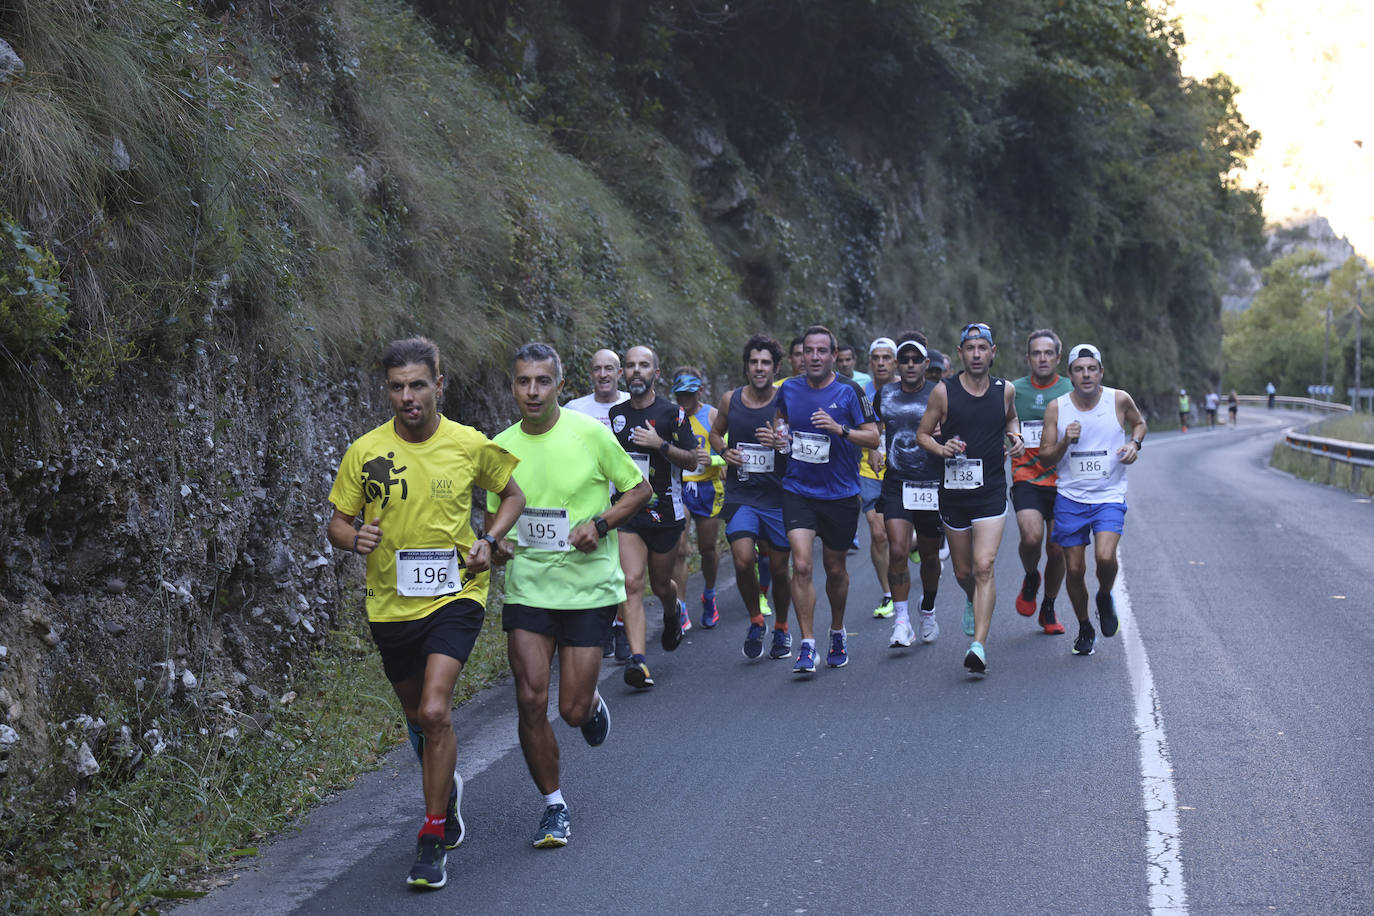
point(1027, 495)
point(926, 521)
point(406, 645)
point(581, 627)
point(835, 520)
point(659, 539)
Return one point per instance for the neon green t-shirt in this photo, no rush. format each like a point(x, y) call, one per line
point(422, 493)
point(564, 473)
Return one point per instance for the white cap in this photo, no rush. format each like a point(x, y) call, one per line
point(883, 342)
point(1084, 350)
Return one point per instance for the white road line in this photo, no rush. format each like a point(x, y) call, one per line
point(1163, 852)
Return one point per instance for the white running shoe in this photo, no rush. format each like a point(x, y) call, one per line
point(902, 634)
point(930, 628)
point(944, 553)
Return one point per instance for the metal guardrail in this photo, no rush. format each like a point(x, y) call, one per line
point(1284, 400)
point(1357, 453)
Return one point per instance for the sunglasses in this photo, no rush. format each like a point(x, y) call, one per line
point(912, 358)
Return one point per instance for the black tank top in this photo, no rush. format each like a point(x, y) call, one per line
point(982, 423)
point(760, 490)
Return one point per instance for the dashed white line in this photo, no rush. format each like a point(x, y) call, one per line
point(1164, 857)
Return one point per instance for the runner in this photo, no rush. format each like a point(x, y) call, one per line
point(830, 420)
point(703, 490)
point(1271, 392)
point(1232, 403)
point(605, 375)
point(845, 361)
point(1084, 430)
point(795, 360)
point(1184, 409)
point(1032, 482)
point(753, 493)
point(976, 414)
point(1211, 401)
point(409, 483)
point(937, 371)
point(882, 359)
point(564, 580)
point(654, 431)
point(911, 489)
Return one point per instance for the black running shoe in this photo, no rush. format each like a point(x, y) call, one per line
point(1106, 614)
point(637, 673)
point(608, 644)
point(554, 828)
point(595, 729)
point(430, 859)
point(455, 831)
point(1087, 639)
point(622, 644)
point(672, 630)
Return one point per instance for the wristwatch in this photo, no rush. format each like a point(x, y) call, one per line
point(1138, 444)
point(844, 430)
point(664, 448)
point(489, 539)
point(601, 526)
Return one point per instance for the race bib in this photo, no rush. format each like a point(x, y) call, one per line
point(1090, 465)
point(427, 573)
point(1030, 432)
point(543, 529)
point(811, 448)
point(641, 461)
point(963, 473)
point(757, 459)
point(921, 495)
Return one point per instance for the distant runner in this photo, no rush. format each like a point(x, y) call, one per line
point(1184, 409)
point(911, 489)
point(753, 493)
point(976, 415)
point(846, 364)
point(703, 491)
point(654, 431)
point(1232, 404)
point(403, 499)
point(830, 419)
point(1211, 402)
point(1085, 436)
point(882, 360)
point(564, 580)
point(1032, 487)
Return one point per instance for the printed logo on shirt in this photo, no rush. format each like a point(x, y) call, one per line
point(618, 423)
point(441, 489)
point(378, 479)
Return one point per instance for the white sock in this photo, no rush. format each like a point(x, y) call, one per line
point(555, 798)
point(903, 615)
point(811, 643)
point(837, 632)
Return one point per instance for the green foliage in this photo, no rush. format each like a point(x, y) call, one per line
point(33, 299)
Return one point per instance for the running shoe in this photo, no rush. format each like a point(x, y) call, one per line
point(1025, 599)
point(902, 635)
point(554, 828)
point(637, 673)
point(622, 644)
point(1087, 639)
point(806, 661)
point(455, 831)
point(838, 656)
point(930, 629)
point(782, 645)
point(976, 659)
point(710, 614)
point(764, 608)
point(608, 645)
point(944, 552)
point(1049, 621)
point(673, 630)
point(885, 610)
point(753, 641)
point(1106, 614)
point(683, 617)
point(430, 859)
point(968, 617)
point(595, 729)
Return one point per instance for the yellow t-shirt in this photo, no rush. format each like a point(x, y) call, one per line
point(422, 492)
point(700, 423)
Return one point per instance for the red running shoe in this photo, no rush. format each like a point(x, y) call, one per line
point(1025, 599)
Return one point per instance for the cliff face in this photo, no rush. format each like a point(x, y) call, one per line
point(251, 200)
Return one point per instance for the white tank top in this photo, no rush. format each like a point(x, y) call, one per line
point(1090, 471)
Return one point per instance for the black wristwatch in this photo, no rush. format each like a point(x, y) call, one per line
point(844, 430)
point(1138, 444)
point(664, 448)
point(489, 539)
point(602, 526)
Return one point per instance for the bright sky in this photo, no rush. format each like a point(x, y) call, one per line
point(1306, 71)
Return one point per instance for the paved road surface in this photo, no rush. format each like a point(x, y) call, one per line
point(900, 783)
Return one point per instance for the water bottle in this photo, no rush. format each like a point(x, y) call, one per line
point(785, 431)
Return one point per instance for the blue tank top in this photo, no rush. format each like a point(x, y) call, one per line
point(763, 491)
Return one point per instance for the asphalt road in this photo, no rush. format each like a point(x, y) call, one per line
point(900, 783)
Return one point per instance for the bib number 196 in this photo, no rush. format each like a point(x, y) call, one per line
point(427, 573)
